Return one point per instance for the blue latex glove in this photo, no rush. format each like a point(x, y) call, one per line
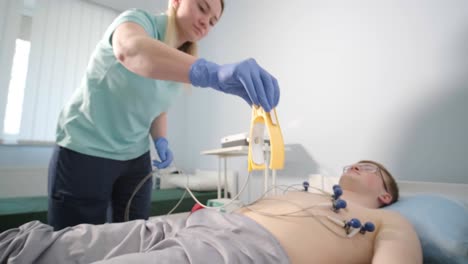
point(165, 154)
point(245, 79)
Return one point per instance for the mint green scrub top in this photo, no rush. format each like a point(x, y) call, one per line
point(111, 112)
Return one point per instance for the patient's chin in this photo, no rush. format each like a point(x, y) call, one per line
point(351, 182)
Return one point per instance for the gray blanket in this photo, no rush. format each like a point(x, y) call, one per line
point(206, 236)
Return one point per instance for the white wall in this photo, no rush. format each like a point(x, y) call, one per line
point(120, 5)
point(382, 80)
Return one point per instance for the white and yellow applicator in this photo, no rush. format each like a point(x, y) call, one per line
point(256, 156)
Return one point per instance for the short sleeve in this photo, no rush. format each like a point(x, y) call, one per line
point(138, 16)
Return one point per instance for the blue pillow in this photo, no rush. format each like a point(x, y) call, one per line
point(441, 224)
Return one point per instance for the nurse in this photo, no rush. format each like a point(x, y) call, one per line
point(135, 72)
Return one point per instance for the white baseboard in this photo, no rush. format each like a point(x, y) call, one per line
point(202, 180)
point(457, 191)
point(15, 182)
point(27, 182)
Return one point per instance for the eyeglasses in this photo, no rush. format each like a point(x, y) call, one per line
point(367, 168)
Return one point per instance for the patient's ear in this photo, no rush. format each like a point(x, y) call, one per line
point(385, 198)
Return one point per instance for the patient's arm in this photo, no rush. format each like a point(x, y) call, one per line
point(396, 242)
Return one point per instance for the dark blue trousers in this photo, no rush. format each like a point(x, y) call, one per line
point(82, 187)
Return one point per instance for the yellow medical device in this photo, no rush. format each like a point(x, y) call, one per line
point(256, 156)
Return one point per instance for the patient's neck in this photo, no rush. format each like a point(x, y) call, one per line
point(361, 199)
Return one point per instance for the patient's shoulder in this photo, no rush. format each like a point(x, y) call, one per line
point(393, 217)
point(396, 238)
point(389, 213)
point(395, 222)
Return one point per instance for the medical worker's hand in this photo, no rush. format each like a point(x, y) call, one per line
point(165, 154)
point(245, 79)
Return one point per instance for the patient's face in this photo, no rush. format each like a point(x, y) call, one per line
point(363, 177)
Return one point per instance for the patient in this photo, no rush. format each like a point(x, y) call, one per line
point(290, 228)
point(367, 186)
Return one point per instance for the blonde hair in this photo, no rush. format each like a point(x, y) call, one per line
point(171, 33)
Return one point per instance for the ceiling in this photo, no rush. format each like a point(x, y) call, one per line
point(120, 5)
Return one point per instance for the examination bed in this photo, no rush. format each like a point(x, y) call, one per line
point(438, 211)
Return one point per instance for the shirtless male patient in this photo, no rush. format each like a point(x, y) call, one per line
point(346, 226)
point(367, 186)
